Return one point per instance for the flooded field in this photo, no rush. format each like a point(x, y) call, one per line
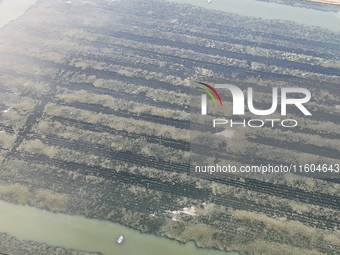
point(95, 103)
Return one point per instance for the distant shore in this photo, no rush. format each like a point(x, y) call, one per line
point(321, 5)
point(333, 2)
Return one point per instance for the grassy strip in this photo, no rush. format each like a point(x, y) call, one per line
point(11, 245)
point(119, 104)
point(130, 125)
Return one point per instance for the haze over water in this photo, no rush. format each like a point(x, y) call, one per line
point(12, 9)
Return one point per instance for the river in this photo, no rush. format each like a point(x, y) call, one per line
point(78, 232)
point(304, 16)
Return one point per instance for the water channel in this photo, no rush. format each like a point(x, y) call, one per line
point(80, 233)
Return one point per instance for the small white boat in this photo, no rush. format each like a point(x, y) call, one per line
point(209, 1)
point(120, 239)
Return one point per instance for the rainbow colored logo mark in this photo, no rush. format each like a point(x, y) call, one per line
point(204, 97)
point(209, 93)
